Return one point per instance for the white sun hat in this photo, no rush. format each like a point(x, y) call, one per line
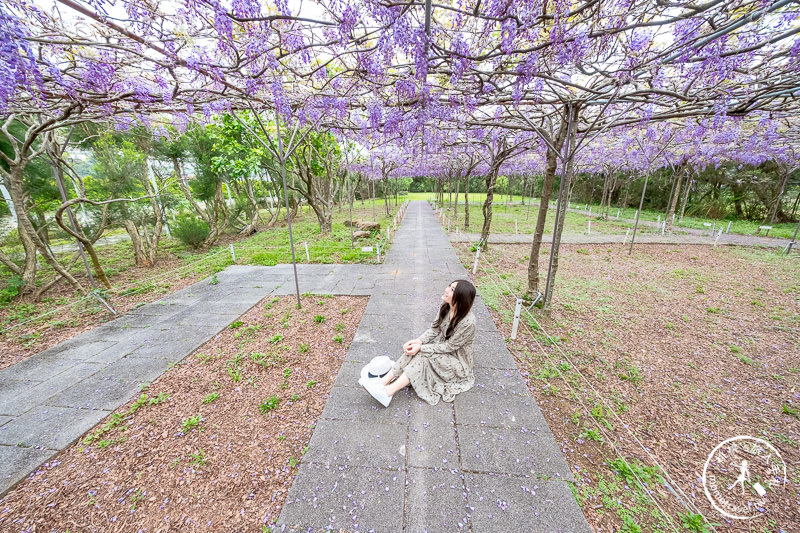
point(377, 368)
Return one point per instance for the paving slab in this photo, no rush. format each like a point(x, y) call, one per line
point(491, 408)
point(432, 446)
point(17, 462)
point(518, 451)
point(159, 309)
point(4, 420)
point(354, 403)
point(126, 346)
point(364, 347)
point(82, 347)
point(436, 501)
point(514, 504)
point(500, 380)
point(63, 424)
point(32, 370)
point(112, 386)
point(358, 443)
point(11, 387)
point(348, 374)
point(343, 498)
point(35, 394)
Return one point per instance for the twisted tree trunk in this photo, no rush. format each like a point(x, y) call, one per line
point(551, 163)
point(673, 203)
point(466, 203)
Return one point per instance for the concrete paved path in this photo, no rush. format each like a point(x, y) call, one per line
point(49, 400)
point(485, 463)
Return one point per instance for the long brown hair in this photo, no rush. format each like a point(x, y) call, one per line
point(463, 296)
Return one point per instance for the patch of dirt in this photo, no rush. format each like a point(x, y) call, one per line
point(152, 471)
point(679, 348)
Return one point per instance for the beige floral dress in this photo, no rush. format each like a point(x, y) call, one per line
point(443, 367)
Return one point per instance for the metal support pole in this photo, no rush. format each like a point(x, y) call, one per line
point(477, 256)
point(233, 253)
point(794, 239)
point(308, 257)
point(636, 224)
point(516, 319)
point(286, 196)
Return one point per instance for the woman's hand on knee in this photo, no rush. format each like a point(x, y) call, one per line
point(412, 347)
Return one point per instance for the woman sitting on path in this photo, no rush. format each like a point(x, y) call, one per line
point(444, 366)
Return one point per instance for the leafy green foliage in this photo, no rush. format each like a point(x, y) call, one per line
point(192, 422)
point(633, 471)
point(211, 397)
point(695, 522)
point(269, 404)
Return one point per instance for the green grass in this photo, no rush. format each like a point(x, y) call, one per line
point(211, 397)
point(695, 523)
point(190, 423)
point(632, 471)
point(269, 404)
point(791, 411)
point(118, 420)
point(198, 458)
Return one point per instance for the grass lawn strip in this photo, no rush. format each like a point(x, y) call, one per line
point(213, 444)
point(688, 347)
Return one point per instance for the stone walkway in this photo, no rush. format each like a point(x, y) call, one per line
point(487, 462)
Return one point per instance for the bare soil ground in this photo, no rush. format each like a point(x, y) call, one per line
point(213, 444)
point(659, 356)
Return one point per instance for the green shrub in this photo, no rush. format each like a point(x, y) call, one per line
point(190, 230)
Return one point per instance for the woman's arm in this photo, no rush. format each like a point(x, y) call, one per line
point(464, 334)
point(430, 334)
